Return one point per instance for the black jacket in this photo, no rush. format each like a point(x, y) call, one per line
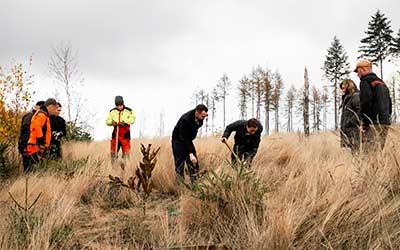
point(374, 101)
point(58, 129)
point(242, 138)
point(350, 111)
point(185, 130)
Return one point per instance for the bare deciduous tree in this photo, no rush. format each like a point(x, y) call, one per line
point(316, 105)
point(276, 97)
point(306, 103)
point(214, 98)
point(392, 87)
point(325, 103)
point(267, 95)
point(65, 72)
point(244, 93)
point(223, 88)
point(257, 83)
point(289, 104)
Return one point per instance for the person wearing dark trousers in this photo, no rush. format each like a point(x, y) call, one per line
point(375, 107)
point(349, 120)
point(40, 135)
point(25, 131)
point(247, 139)
point(58, 131)
point(185, 131)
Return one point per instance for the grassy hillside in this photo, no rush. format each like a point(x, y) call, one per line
point(301, 194)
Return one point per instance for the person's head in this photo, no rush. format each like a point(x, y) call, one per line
point(363, 67)
point(252, 126)
point(38, 105)
point(119, 102)
point(51, 105)
point(201, 112)
point(348, 86)
point(58, 111)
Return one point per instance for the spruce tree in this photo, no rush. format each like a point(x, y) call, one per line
point(395, 48)
point(376, 46)
point(336, 68)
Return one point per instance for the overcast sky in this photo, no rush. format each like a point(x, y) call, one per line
point(155, 53)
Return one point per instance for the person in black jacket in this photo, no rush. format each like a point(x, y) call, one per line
point(247, 139)
point(350, 121)
point(375, 106)
point(184, 133)
point(58, 131)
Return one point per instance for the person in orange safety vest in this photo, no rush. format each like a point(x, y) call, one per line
point(39, 134)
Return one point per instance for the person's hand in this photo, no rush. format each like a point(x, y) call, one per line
point(192, 158)
point(40, 141)
point(223, 140)
point(121, 124)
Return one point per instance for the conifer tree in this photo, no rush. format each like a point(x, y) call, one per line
point(336, 68)
point(377, 44)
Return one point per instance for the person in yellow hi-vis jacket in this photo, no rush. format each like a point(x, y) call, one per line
point(120, 118)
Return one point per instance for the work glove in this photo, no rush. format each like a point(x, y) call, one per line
point(57, 135)
point(40, 141)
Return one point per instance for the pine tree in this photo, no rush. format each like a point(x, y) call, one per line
point(223, 88)
point(377, 44)
point(336, 68)
point(395, 47)
point(244, 95)
point(276, 96)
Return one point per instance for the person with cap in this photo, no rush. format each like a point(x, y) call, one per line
point(247, 139)
point(185, 131)
point(121, 118)
point(39, 134)
point(349, 121)
point(375, 107)
point(58, 131)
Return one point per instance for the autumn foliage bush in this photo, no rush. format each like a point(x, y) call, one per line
point(14, 102)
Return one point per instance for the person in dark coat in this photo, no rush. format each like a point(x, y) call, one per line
point(247, 139)
point(350, 119)
point(375, 107)
point(58, 131)
point(185, 131)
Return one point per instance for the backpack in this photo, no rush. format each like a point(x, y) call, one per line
point(25, 131)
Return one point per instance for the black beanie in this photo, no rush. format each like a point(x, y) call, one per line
point(39, 103)
point(119, 100)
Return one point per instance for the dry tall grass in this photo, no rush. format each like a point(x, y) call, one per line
point(318, 196)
